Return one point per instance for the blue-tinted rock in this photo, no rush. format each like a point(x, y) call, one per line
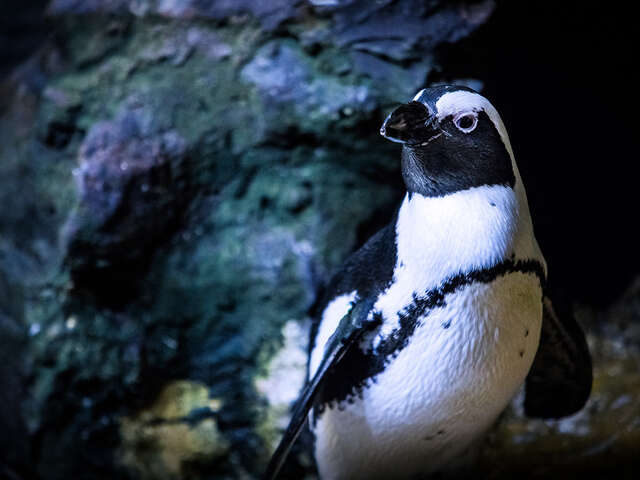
point(412, 27)
point(270, 13)
point(191, 174)
point(132, 187)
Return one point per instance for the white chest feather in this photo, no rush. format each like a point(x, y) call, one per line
point(461, 367)
point(441, 237)
point(466, 358)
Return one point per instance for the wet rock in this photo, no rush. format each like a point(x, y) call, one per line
point(58, 124)
point(209, 43)
point(270, 14)
point(132, 187)
point(275, 68)
point(102, 41)
point(177, 431)
point(319, 98)
point(175, 47)
point(387, 73)
point(411, 28)
point(37, 191)
point(191, 174)
point(57, 7)
point(13, 370)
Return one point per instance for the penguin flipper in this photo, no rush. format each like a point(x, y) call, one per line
point(351, 328)
point(559, 382)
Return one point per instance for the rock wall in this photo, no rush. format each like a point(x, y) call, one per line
point(179, 180)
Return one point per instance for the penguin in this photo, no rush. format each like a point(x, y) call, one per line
point(430, 329)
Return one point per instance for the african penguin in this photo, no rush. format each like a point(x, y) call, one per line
point(429, 329)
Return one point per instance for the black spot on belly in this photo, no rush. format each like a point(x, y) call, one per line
point(521, 352)
point(358, 369)
point(492, 204)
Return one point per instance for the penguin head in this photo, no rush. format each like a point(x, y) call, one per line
point(453, 139)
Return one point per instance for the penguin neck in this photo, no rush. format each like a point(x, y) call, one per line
point(463, 231)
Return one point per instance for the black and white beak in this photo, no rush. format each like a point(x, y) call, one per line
point(411, 123)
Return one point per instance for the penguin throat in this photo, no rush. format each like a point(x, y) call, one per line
point(442, 235)
point(437, 169)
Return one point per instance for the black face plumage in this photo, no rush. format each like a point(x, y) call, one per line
point(444, 156)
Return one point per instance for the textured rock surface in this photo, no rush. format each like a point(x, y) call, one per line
point(179, 179)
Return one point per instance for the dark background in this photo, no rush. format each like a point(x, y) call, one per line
point(561, 74)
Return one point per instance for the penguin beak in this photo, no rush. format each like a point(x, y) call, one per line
point(410, 124)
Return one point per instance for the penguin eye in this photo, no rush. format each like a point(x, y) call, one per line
point(466, 122)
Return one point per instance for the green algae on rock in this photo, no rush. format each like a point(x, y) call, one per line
point(178, 430)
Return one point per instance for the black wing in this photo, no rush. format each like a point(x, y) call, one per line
point(352, 327)
point(559, 382)
point(368, 271)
